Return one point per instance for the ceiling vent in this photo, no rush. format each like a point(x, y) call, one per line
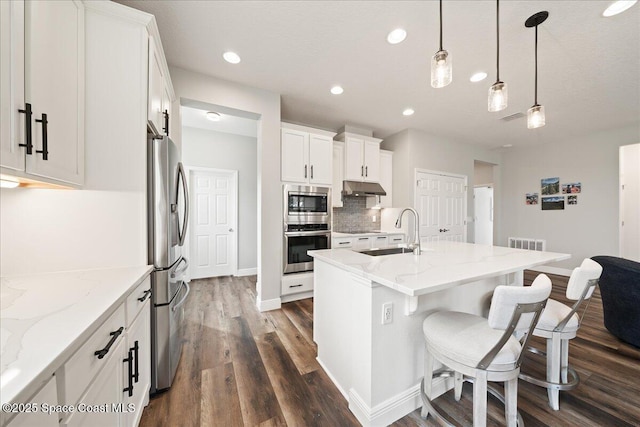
point(514, 116)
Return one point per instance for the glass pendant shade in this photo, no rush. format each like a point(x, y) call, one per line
point(498, 97)
point(535, 117)
point(441, 70)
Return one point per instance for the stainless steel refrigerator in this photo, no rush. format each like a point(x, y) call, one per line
point(168, 215)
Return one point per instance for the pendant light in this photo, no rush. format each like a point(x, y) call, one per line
point(441, 74)
point(498, 91)
point(535, 114)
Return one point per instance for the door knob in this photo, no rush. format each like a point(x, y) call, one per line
point(443, 230)
point(231, 230)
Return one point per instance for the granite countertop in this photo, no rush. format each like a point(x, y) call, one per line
point(441, 265)
point(44, 318)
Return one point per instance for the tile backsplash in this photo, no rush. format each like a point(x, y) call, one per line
point(354, 216)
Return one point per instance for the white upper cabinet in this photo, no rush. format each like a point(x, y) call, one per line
point(156, 89)
point(338, 174)
point(307, 155)
point(361, 157)
point(160, 90)
point(386, 181)
point(43, 90)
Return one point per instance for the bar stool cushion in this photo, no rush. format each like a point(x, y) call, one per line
point(553, 313)
point(467, 338)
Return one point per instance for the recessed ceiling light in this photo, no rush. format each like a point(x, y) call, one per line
point(337, 90)
point(408, 112)
point(231, 57)
point(478, 77)
point(213, 116)
point(508, 145)
point(397, 36)
point(618, 7)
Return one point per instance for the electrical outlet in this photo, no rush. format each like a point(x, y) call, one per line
point(374, 218)
point(387, 313)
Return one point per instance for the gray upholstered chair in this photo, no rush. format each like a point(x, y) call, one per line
point(482, 350)
point(559, 323)
point(620, 291)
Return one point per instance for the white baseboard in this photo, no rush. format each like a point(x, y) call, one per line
point(552, 270)
point(296, 297)
point(270, 304)
point(395, 407)
point(246, 272)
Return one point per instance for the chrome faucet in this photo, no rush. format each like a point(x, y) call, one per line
point(416, 232)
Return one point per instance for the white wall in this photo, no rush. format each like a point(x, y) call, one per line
point(583, 230)
point(416, 149)
point(219, 150)
point(199, 87)
point(103, 225)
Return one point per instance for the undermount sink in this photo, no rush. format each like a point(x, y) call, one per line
point(387, 251)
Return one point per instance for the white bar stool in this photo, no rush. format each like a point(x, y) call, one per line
point(559, 324)
point(480, 350)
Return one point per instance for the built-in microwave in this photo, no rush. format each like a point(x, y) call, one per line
point(306, 205)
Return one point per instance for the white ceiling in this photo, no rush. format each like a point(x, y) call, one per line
point(589, 66)
point(196, 118)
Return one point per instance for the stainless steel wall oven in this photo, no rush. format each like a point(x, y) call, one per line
point(307, 225)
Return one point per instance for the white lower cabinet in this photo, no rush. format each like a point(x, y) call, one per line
point(108, 379)
point(367, 242)
point(102, 405)
point(41, 418)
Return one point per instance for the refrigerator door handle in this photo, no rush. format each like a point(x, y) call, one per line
point(182, 233)
point(184, 298)
point(179, 271)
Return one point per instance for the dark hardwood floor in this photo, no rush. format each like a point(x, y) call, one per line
point(240, 367)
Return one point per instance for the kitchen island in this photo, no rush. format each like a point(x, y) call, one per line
point(368, 314)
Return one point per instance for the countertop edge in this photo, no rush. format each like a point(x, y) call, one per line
point(33, 387)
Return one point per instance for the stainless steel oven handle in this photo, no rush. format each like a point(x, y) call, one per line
point(307, 233)
point(184, 298)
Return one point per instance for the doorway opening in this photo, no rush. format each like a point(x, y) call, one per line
point(483, 202)
point(220, 153)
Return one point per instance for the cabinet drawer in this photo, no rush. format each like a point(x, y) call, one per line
point(342, 243)
point(137, 298)
point(84, 365)
point(379, 241)
point(293, 284)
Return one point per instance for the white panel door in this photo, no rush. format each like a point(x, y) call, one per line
point(483, 211)
point(440, 202)
point(630, 202)
point(214, 237)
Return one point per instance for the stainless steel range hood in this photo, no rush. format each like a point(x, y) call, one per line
point(357, 188)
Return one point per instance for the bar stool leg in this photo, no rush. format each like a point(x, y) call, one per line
point(564, 364)
point(458, 379)
point(427, 381)
point(511, 402)
point(553, 369)
point(480, 399)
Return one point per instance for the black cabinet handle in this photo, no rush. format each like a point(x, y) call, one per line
point(145, 295)
point(311, 171)
point(45, 144)
point(27, 128)
point(166, 122)
point(114, 336)
point(366, 171)
point(136, 371)
point(295, 286)
point(129, 362)
point(344, 243)
point(361, 170)
point(305, 171)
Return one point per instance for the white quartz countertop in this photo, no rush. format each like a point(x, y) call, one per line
point(441, 265)
point(44, 318)
point(366, 234)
